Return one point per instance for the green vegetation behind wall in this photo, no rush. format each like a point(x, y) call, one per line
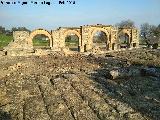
point(5, 40)
point(39, 42)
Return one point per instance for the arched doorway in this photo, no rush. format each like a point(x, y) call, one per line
point(100, 39)
point(41, 41)
point(124, 41)
point(72, 40)
point(41, 38)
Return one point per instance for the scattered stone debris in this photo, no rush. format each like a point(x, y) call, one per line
point(77, 86)
point(123, 73)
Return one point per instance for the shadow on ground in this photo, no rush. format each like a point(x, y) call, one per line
point(142, 93)
point(5, 115)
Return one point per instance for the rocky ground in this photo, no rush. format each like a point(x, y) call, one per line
point(111, 86)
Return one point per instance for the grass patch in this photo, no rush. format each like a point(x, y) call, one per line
point(5, 40)
point(71, 43)
point(38, 42)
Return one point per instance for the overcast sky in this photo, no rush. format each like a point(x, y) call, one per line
point(82, 13)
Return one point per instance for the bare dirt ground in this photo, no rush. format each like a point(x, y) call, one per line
point(77, 87)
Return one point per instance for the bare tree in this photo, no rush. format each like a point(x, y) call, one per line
point(145, 30)
point(150, 34)
point(100, 37)
point(126, 24)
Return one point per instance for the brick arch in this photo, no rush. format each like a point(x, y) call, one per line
point(40, 32)
point(72, 32)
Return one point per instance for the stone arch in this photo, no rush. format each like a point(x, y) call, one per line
point(122, 32)
point(43, 32)
point(72, 32)
point(93, 33)
point(99, 29)
point(125, 33)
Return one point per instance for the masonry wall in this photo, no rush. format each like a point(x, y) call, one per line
point(23, 39)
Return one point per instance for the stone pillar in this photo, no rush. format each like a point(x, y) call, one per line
point(55, 41)
point(81, 45)
point(81, 48)
point(109, 46)
point(135, 38)
point(86, 42)
point(51, 43)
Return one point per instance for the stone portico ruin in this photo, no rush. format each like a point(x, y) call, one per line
point(23, 39)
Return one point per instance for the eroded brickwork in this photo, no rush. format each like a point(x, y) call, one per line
point(23, 40)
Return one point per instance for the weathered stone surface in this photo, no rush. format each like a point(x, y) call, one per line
point(74, 87)
point(23, 40)
point(2, 53)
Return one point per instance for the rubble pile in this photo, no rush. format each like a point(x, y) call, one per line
point(79, 87)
